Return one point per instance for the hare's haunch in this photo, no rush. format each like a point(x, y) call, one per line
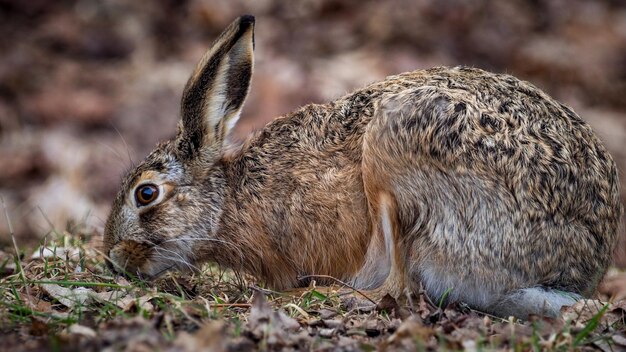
point(477, 185)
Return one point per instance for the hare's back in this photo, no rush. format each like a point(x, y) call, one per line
point(506, 132)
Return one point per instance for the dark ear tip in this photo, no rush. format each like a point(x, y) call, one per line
point(246, 21)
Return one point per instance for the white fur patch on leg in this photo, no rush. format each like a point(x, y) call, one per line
point(533, 301)
point(379, 254)
point(385, 223)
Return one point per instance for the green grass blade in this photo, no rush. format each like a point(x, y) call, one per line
point(591, 325)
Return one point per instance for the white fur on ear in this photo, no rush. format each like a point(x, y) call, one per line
point(232, 122)
point(216, 101)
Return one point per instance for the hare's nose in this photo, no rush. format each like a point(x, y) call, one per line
point(129, 256)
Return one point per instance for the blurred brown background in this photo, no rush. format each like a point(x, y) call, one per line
point(84, 85)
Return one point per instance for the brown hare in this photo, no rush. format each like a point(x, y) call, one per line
point(469, 183)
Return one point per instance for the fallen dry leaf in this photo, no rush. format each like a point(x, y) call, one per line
point(38, 326)
point(142, 302)
point(68, 297)
point(357, 303)
point(272, 327)
point(132, 334)
point(614, 286)
point(81, 330)
point(210, 338)
point(391, 306)
point(620, 340)
point(56, 252)
point(406, 335)
point(583, 311)
point(115, 296)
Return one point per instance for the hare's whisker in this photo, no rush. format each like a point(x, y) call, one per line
point(181, 260)
point(130, 159)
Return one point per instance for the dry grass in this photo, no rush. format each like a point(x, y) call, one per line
point(62, 297)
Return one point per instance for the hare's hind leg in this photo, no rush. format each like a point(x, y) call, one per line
point(538, 301)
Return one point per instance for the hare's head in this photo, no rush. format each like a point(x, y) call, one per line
point(171, 202)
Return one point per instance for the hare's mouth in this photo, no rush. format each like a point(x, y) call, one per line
point(129, 257)
point(146, 261)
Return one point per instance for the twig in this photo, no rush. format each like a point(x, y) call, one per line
point(233, 305)
point(423, 292)
point(338, 281)
point(410, 300)
point(298, 309)
point(45, 217)
point(265, 291)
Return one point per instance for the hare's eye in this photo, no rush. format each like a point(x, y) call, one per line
point(146, 194)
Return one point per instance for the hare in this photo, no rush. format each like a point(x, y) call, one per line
point(471, 185)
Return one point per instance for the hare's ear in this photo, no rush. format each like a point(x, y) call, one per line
point(215, 93)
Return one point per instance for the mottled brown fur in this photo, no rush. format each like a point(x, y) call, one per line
point(447, 176)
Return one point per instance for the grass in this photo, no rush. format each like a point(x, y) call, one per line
point(66, 296)
point(444, 297)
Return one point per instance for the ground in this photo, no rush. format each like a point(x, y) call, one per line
point(62, 297)
point(87, 85)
